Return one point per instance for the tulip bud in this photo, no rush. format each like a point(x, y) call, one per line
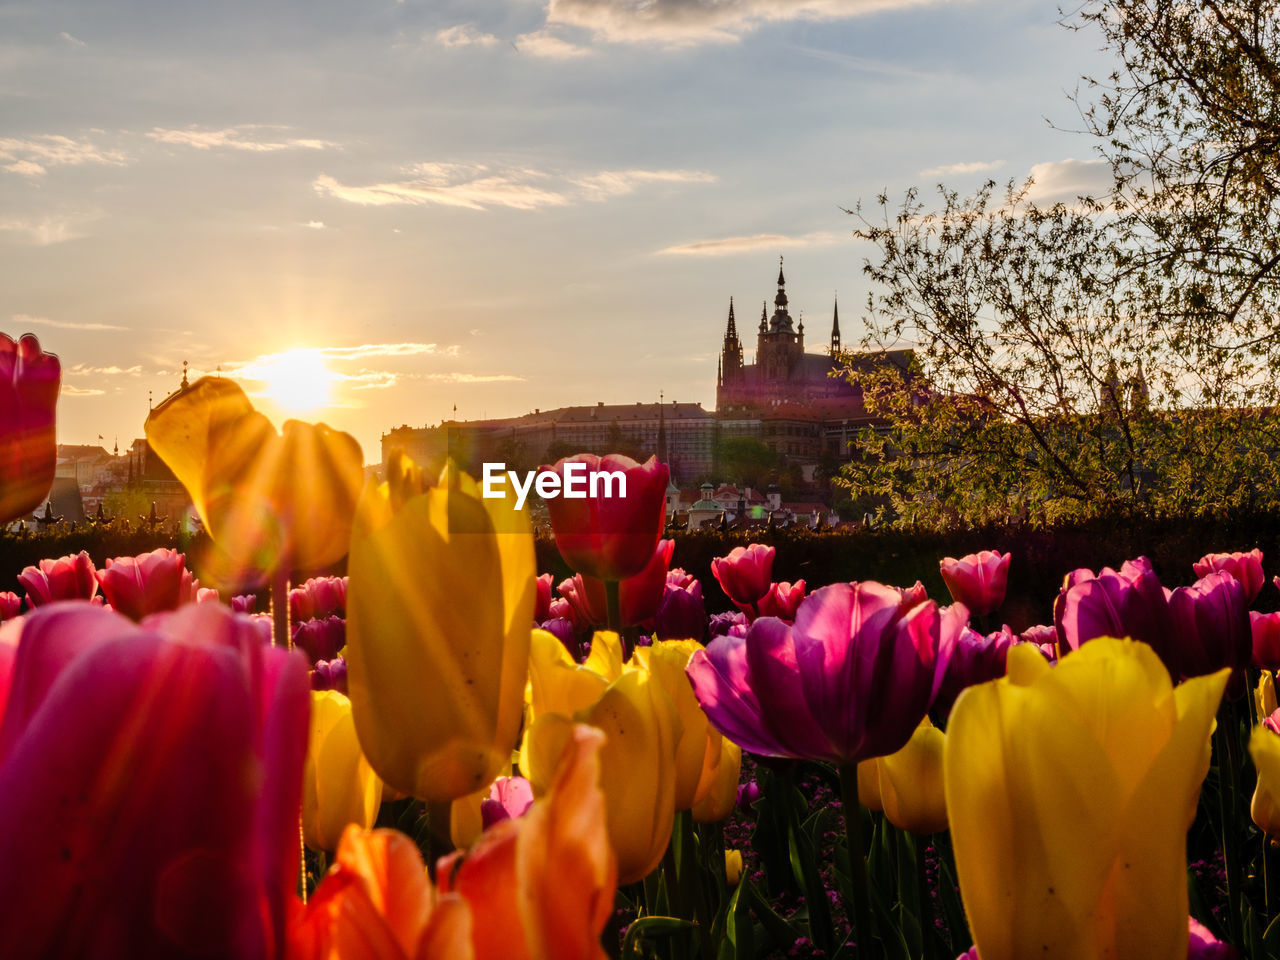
point(67, 578)
point(339, 786)
point(732, 867)
point(978, 580)
point(746, 573)
point(1245, 568)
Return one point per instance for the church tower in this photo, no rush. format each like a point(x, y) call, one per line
point(731, 354)
point(835, 328)
point(779, 346)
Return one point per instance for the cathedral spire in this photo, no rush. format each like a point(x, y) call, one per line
point(835, 327)
point(764, 316)
point(732, 330)
point(782, 281)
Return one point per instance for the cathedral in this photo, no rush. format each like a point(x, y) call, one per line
point(782, 374)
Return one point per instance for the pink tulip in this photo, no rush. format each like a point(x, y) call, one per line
point(680, 578)
point(1204, 945)
point(67, 578)
point(1264, 629)
point(148, 583)
point(978, 580)
point(542, 605)
point(318, 597)
point(682, 615)
point(1127, 603)
point(1245, 567)
point(851, 680)
point(746, 573)
point(509, 798)
point(573, 592)
point(150, 785)
point(29, 380)
point(782, 600)
point(10, 606)
point(611, 537)
point(562, 609)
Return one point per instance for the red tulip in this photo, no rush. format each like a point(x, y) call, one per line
point(542, 606)
point(746, 573)
point(1245, 567)
point(611, 537)
point(639, 596)
point(67, 578)
point(10, 606)
point(978, 580)
point(150, 782)
point(1264, 629)
point(29, 381)
point(148, 583)
point(782, 600)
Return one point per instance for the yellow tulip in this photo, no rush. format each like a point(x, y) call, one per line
point(699, 753)
point(637, 772)
point(339, 786)
point(605, 657)
point(910, 782)
point(1070, 791)
point(869, 785)
point(1265, 695)
point(1264, 748)
point(439, 604)
point(270, 502)
point(466, 823)
point(718, 789)
point(732, 867)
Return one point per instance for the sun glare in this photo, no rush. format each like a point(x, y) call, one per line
point(297, 380)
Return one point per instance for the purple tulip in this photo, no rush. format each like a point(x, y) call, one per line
point(975, 659)
point(849, 681)
point(1211, 626)
point(1128, 603)
point(330, 675)
point(244, 603)
point(748, 794)
point(682, 615)
point(731, 624)
point(509, 798)
point(562, 629)
point(321, 639)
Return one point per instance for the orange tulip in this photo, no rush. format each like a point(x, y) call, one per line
point(269, 501)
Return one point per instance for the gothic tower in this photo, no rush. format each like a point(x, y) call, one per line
point(731, 355)
point(835, 328)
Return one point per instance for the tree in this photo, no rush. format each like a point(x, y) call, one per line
point(1116, 353)
point(745, 459)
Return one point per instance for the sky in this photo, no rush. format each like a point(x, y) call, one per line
point(369, 212)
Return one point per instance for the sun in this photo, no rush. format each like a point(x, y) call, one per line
point(297, 380)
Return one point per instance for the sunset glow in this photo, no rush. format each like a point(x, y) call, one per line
point(298, 381)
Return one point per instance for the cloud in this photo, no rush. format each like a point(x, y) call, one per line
point(68, 38)
point(67, 390)
point(21, 318)
point(474, 378)
point(724, 246)
point(44, 231)
point(476, 187)
point(616, 183)
point(371, 379)
point(958, 169)
point(32, 156)
point(544, 43)
point(365, 350)
point(1063, 181)
point(85, 370)
point(679, 23)
point(464, 35)
point(251, 137)
point(315, 224)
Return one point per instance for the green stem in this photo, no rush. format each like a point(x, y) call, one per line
point(613, 603)
point(859, 909)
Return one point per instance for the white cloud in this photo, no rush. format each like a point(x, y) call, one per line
point(85, 370)
point(959, 169)
point(315, 224)
point(616, 183)
point(464, 35)
point(32, 156)
point(724, 246)
point(21, 318)
point(251, 137)
point(690, 22)
point(1063, 181)
point(476, 187)
point(44, 231)
point(67, 390)
point(544, 43)
point(68, 38)
point(365, 350)
point(474, 377)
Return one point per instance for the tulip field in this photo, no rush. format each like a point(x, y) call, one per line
point(445, 754)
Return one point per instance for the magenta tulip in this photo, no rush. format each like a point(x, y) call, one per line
point(29, 380)
point(974, 659)
point(978, 580)
point(150, 786)
point(317, 598)
point(1204, 945)
point(1128, 603)
point(67, 578)
point(682, 615)
point(732, 623)
point(745, 574)
point(10, 606)
point(509, 798)
point(1211, 627)
point(782, 600)
point(146, 584)
point(330, 675)
point(1245, 567)
point(850, 680)
point(1264, 630)
point(611, 537)
point(562, 629)
point(320, 639)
